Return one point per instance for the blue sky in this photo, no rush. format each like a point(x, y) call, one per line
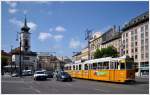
point(60, 26)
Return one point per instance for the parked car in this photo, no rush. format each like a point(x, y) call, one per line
point(49, 74)
point(27, 73)
point(15, 75)
point(63, 76)
point(40, 75)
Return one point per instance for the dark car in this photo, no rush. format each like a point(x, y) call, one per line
point(63, 76)
point(49, 74)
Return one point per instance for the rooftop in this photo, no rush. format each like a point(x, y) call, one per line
point(136, 21)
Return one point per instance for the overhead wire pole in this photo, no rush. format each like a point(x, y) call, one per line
point(88, 37)
point(20, 71)
point(11, 59)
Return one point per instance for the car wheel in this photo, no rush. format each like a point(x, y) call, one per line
point(70, 79)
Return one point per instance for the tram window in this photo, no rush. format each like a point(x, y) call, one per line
point(106, 65)
point(122, 65)
point(117, 66)
point(70, 67)
point(99, 65)
point(73, 67)
point(112, 65)
point(85, 67)
point(79, 67)
point(94, 66)
point(76, 67)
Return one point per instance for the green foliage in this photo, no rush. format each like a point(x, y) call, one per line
point(97, 54)
point(110, 51)
point(4, 60)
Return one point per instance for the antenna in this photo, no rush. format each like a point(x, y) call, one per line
point(88, 36)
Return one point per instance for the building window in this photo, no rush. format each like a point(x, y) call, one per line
point(146, 41)
point(127, 40)
point(146, 55)
point(142, 42)
point(142, 49)
point(136, 56)
point(132, 38)
point(146, 34)
point(136, 37)
point(136, 49)
point(135, 43)
point(142, 35)
point(126, 51)
point(126, 34)
point(132, 50)
point(135, 31)
point(142, 29)
point(132, 44)
point(132, 32)
point(146, 28)
point(146, 48)
point(142, 56)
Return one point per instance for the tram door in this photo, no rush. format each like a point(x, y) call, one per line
point(112, 70)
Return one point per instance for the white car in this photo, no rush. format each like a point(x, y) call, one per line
point(40, 75)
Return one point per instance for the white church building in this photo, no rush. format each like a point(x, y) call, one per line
point(28, 58)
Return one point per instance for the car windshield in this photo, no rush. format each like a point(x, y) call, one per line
point(64, 73)
point(40, 73)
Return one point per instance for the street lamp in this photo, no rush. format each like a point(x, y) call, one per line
point(11, 59)
point(20, 70)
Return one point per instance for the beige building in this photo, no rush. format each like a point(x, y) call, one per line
point(110, 38)
point(135, 42)
point(81, 56)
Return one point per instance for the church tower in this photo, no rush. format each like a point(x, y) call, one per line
point(25, 37)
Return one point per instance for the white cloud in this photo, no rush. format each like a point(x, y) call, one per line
point(44, 36)
point(60, 29)
point(16, 22)
point(74, 43)
point(12, 10)
point(58, 37)
point(19, 23)
point(32, 25)
point(12, 4)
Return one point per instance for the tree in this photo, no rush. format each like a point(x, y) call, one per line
point(110, 51)
point(4, 62)
point(97, 53)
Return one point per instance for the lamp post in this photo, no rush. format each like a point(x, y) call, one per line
point(11, 59)
point(20, 67)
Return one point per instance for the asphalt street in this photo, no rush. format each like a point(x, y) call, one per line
point(26, 85)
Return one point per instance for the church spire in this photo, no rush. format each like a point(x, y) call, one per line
point(25, 21)
point(25, 28)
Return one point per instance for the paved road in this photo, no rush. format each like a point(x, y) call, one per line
point(27, 85)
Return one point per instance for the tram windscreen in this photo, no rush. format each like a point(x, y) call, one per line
point(129, 65)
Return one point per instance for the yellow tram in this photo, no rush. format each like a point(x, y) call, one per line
point(120, 69)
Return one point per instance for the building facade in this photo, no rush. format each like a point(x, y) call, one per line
point(80, 56)
point(112, 37)
point(135, 42)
